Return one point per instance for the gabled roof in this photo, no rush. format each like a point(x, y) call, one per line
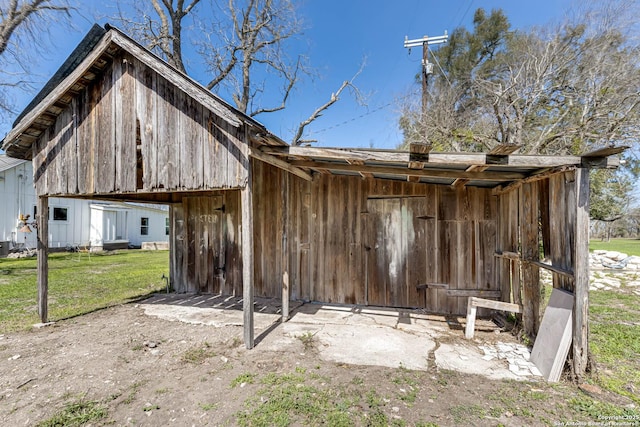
point(7, 162)
point(84, 65)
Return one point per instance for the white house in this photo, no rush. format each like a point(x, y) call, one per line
point(73, 222)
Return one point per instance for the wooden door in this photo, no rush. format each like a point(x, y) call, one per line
point(206, 260)
point(396, 251)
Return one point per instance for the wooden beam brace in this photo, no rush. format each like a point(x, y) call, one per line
point(433, 173)
point(473, 293)
point(274, 161)
point(537, 177)
point(551, 268)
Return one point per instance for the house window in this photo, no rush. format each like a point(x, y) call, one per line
point(60, 214)
point(144, 226)
point(166, 226)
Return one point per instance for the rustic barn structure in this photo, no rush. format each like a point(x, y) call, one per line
point(251, 215)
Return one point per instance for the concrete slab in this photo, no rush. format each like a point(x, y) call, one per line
point(350, 335)
point(366, 345)
point(215, 317)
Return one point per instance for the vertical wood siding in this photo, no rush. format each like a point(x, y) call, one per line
point(370, 241)
point(131, 112)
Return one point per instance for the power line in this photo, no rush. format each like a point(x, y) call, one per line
point(440, 67)
point(465, 13)
point(361, 116)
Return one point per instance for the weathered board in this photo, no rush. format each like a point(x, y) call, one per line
point(371, 241)
point(132, 131)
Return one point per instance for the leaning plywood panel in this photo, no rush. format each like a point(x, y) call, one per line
point(554, 336)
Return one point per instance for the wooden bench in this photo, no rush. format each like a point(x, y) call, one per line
point(473, 305)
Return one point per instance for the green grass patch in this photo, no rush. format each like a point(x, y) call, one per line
point(466, 413)
point(597, 410)
point(298, 398)
point(76, 413)
point(615, 341)
point(77, 285)
point(627, 246)
point(245, 378)
point(198, 355)
point(408, 382)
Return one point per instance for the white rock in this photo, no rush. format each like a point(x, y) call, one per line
point(615, 255)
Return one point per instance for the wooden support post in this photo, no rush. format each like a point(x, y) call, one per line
point(43, 261)
point(581, 274)
point(285, 247)
point(246, 196)
point(529, 229)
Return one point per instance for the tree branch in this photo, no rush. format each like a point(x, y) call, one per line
point(297, 139)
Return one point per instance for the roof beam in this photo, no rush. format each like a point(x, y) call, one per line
point(433, 173)
point(274, 161)
point(498, 152)
point(495, 160)
point(605, 152)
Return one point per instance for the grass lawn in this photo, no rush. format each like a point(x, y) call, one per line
point(615, 330)
point(614, 322)
point(627, 246)
point(77, 284)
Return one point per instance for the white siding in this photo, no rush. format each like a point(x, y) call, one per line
point(157, 221)
point(86, 221)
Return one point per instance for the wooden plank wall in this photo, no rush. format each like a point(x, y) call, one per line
point(562, 222)
point(343, 247)
point(536, 219)
point(205, 244)
point(91, 148)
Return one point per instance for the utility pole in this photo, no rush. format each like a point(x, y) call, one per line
point(427, 67)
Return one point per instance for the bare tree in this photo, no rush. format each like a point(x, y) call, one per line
point(560, 91)
point(249, 48)
point(243, 44)
point(161, 28)
point(22, 24)
point(335, 97)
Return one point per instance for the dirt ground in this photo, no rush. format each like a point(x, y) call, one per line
point(139, 369)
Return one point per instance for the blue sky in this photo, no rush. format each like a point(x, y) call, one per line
point(337, 36)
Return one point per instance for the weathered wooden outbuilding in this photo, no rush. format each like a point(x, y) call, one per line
point(251, 215)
